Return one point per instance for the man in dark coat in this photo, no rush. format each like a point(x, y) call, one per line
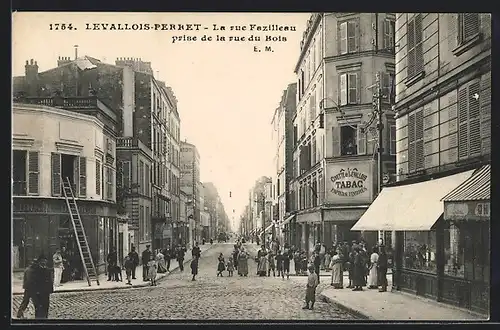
point(196, 252)
point(29, 288)
point(180, 257)
point(317, 262)
point(382, 270)
point(44, 284)
point(167, 254)
point(134, 257)
point(146, 256)
point(235, 256)
point(112, 260)
point(359, 268)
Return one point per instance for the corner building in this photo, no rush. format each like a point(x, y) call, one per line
point(334, 168)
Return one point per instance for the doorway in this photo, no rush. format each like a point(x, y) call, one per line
point(69, 170)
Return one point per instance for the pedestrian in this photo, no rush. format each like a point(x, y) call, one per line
point(180, 257)
point(58, 268)
point(317, 263)
point(196, 250)
point(328, 257)
point(263, 262)
point(350, 266)
point(287, 259)
point(337, 274)
point(152, 270)
point(211, 241)
point(221, 265)
point(129, 266)
point(135, 260)
point(146, 257)
point(44, 287)
point(243, 262)
point(322, 254)
point(111, 259)
point(160, 260)
point(118, 273)
point(29, 286)
point(66, 272)
point(279, 264)
point(194, 268)
point(382, 270)
point(167, 255)
point(235, 256)
point(230, 266)
point(372, 276)
point(272, 264)
point(312, 283)
point(359, 270)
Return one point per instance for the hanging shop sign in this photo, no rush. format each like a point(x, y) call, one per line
point(349, 183)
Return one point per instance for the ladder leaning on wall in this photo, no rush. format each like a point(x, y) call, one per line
point(81, 238)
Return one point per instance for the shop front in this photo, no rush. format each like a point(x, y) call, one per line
point(44, 225)
point(337, 224)
point(424, 240)
point(288, 228)
point(310, 223)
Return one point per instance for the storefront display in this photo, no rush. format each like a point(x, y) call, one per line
point(419, 252)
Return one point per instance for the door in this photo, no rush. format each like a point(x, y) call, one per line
point(19, 242)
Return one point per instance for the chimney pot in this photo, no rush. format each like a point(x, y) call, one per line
point(27, 62)
point(59, 58)
point(36, 63)
point(31, 61)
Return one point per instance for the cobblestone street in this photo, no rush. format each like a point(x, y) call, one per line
point(210, 297)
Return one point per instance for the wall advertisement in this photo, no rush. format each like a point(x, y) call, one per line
point(349, 183)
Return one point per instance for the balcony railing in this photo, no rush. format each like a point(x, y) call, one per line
point(20, 188)
point(85, 102)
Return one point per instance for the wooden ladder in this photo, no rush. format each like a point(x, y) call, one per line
point(81, 238)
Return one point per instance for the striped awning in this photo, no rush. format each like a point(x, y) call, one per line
point(475, 188)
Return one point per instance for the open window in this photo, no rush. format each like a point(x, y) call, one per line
point(25, 172)
point(69, 167)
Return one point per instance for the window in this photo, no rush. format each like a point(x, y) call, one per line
point(147, 217)
point(348, 37)
point(314, 194)
point(469, 130)
point(468, 27)
point(312, 106)
point(414, 41)
point(349, 88)
point(348, 140)
point(388, 87)
point(109, 183)
point(415, 141)
point(83, 176)
point(25, 172)
point(313, 151)
point(420, 251)
point(392, 139)
point(141, 177)
point(98, 171)
point(302, 79)
point(389, 28)
point(148, 180)
point(142, 224)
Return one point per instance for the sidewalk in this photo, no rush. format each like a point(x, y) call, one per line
point(394, 306)
point(82, 285)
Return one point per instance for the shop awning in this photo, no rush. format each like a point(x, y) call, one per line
point(475, 188)
point(287, 220)
point(412, 207)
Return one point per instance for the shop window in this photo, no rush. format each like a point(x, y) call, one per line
point(420, 251)
point(454, 251)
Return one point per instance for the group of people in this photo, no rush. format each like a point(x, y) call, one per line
point(66, 266)
point(238, 260)
point(274, 260)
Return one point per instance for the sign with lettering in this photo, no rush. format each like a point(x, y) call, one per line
point(349, 184)
point(467, 210)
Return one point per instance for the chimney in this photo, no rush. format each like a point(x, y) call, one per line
point(31, 77)
point(76, 51)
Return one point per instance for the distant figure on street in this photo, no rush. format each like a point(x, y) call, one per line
point(359, 270)
point(272, 265)
point(312, 283)
point(230, 266)
point(181, 252)
point(29, 286)
point(129, 266)
point(235, 256)
point(160, 259)
point(317, 263)
point(194, 268)
point(66, 273)
point(112, 260)
point(135, 260)
point(58, 267)
point(287, 259)
point(279, 264)
point(168, 254)
point(211, 241)
point(263, 262)
point(44, 287)
point(372, 276)
point(146, 256)
point(382, 269)
point(196, 251)
point(337, 273)
point(152, 270)
point(221, 265)
point(243, 262)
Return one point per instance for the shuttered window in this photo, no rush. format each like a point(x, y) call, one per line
point(33, 173)
point(335, 141)
point(389, 28)
point(83, 176)
point(415, 52)
point(313, 151)
point(348, 37)
point(361, 141)
point(349, 88)
point(56, 174)
point(109, 183)
point(468, 27)
point(469, 130)
point(392, 137)
point(312, 106)
point(416, 141)
point(98, 171)
point(388, 92)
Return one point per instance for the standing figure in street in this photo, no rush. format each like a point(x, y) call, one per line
point(29, 286)
point(350, 266)
point(58, 268)
point(262, 259)
point(152, 270)
point(230, 266)
point(135, 260)
point(235, 256)
point(337, 272)
point(112, 260)
point(167, 254)
point(146, 256)
point(359, 270)
point(328, 257)
point(221, 266)
point(372, 275)
point(322, 253)
point(317, 262)
point(44, 287)
point(196, 251)
point(66, 273)
point(382, 269)
point(272, 264)
point(194, 268)
point(180, 257)
point(129, 266)
point(160, 259)
point(243, 262)
point(279, 264)
point(312, 283)
point(287, 259)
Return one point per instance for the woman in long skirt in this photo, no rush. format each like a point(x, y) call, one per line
point(337, 274)
point(243, 263)
point(263, 262)
point(160, 259)
point(221, 265)
point(372, 275)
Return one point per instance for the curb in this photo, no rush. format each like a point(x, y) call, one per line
point(348, 309)
point(99, 288)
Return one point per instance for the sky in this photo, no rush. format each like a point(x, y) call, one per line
point(227, 91)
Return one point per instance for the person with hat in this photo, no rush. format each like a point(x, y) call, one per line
point(58, 265)
point(44, 286)
point(382, 270)
point(146, 257)
point(29, 286)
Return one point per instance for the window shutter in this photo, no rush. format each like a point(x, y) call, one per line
point(463, 115)
point(343, 89)
point(83, 176)
point(98, 177)
point(411, 143)
point(385, 32)
point(336, 141)
point(361, 141)
point(343, 38)
point(474, 120)
point(352, 36)
point(392, 138)
point(352, 85)
point(419, 54)
point(411, 47)
point(419, 140)
point(56, 174)
point(126, 174)
point(470, 25)
point(119, 174)
point(33, 173)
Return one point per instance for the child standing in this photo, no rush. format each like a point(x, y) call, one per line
point(152, 270)
point(279, 264)
point(221, 266)
point(230, 266)
point(312, 283)
point(129, 265)
point(194, 267)
point(272, 264)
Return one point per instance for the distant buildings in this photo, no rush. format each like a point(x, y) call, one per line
point(190, 183)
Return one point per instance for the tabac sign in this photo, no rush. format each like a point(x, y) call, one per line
point(347, 184)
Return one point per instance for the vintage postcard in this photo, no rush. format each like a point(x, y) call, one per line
point(251, 166)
